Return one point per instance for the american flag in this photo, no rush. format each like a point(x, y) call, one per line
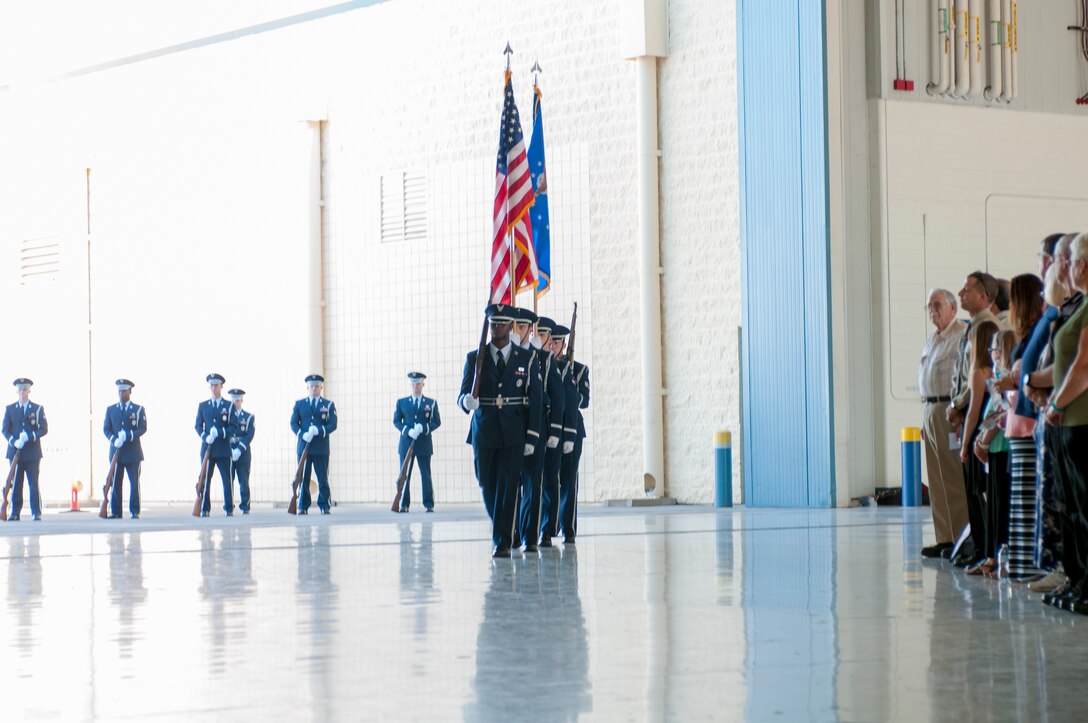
point(513, 198)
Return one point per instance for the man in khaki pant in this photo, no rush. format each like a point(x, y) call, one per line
point(947, 495)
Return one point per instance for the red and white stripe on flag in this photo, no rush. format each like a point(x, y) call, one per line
point(510, 214)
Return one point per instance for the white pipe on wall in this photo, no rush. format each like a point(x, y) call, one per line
point(963, 72)
point(1006, 51)
point(943, 40)
point(314, 285)
point(974, 47)
point(649, 222)
point(993, 90)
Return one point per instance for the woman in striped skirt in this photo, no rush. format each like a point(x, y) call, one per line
point(1025, 309)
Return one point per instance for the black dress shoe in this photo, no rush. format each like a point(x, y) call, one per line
point(230, 513)
point(13, 518)
point(962, 560)
point(136, 515)
point(37, 518)
point(326, 511)
point(545, 542)
point(430, 509)
point(117, 517)
point(568, 540)
point(302, 512)
point(936, 550)
point(530, 547)
point(500, 551)
point(946, 553)
point(245, 512)
point(205, 514)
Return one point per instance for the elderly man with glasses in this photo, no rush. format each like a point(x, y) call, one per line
point(947, 496)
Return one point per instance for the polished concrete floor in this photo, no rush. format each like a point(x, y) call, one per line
point(679, 614)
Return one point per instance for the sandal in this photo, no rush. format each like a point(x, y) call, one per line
point(982, 568)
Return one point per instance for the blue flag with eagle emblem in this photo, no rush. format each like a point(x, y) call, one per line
point(539, 212)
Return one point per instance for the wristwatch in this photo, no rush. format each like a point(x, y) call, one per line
point(1026, 380)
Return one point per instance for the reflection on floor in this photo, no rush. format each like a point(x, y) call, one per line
point(682, 614)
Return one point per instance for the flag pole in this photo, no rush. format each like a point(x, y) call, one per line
point(535, 70)
point(509, 231)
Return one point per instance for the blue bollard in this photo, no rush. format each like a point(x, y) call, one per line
point(723, 469)
point(911, 451)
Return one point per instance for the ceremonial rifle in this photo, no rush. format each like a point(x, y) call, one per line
point(8, 483)
point(405, 471)
point(103, 510)
point(292, 507)
point(570, 343)
point(202, 482)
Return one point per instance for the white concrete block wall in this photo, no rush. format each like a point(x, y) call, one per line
point(198, 163)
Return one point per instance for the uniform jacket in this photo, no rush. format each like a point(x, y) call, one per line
point(555, 397)
point(32, 422)
point(576, 385)
point(134, 422)
point(322, 415)
point(240, 431)
point(405, 417)
point(495, 427)
point(208, 416)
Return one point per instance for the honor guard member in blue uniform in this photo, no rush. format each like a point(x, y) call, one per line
point(240, 431)
point(416, 417)
point(312, 421)
point(555, 399)
point(549, 425)
point(577, 376)
point(499, 432)
point(212, 424)
point(125, 424)
point(24, 426)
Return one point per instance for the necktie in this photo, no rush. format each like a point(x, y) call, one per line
point(501, 364)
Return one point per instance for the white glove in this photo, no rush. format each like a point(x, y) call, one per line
point(235, 454)
point(23, 437)
point(529, 449)
point(568, 447)
point(535, 341)
point(413, 433)
point(210, 438)
point(213, 435)
point(307, 436)
point(313, 431)
point(553, 442)
point(118, 442)
point(471, 403)
point(418, 429)
point(19, 442)
point(122, 435)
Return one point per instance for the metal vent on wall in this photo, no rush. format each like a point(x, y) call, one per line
point(39, 260)
point(404, 206)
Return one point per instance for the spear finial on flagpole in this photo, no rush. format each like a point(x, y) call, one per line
point(534, 70)
point(508, 52)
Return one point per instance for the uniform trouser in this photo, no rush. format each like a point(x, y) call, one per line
point(947, 496)
point(500, 474)
point(532, 479)
point(974, 482)
point(423, 463)
point(223, 463)
point(568, 490)
point(1070, 448)
point(320, 467)
point(549, 497)
point(240, 471)
point(29, 470)
point(117, 493)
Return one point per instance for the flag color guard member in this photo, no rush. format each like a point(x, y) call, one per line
point(212, 422)
point(125, 423)
point(241, 430)
point(416, 417)
point(313, 420)
point(499, 431)
point(24, 426)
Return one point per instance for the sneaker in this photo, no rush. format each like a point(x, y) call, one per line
point(1048, 583)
